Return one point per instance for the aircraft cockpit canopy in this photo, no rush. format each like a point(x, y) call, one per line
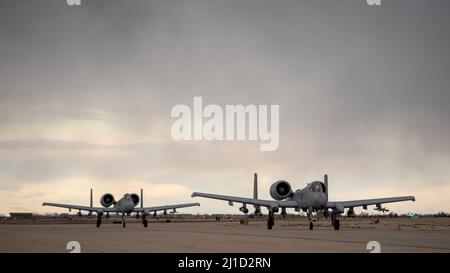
point(316, 186)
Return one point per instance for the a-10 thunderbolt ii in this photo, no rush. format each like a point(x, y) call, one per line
point(127, 205)
point(311, 199)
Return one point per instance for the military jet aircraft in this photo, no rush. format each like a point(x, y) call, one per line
point(311, 199)
point(124, 206)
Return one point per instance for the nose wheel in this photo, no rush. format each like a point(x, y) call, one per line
point(123, 221)
point(309, 214)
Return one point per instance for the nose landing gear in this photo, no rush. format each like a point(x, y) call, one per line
point(309, 213)
point(99, 219)
point(123, 220)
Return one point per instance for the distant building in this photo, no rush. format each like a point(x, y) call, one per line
point(21, 215)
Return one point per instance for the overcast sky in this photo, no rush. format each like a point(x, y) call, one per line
point(86, 94)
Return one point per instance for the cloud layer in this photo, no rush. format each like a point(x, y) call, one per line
point(86, 94)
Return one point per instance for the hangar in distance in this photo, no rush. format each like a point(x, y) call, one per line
point(126, 205)
point(311, 199)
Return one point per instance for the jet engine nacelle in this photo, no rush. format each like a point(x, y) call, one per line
point(135, 199)
point(107, 200)
point(280, 190)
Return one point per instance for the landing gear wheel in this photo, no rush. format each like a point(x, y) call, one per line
point(99, 223)
point(123, 224)
point(336, 224)
point(271, 220)
point(145, 222)
point(311, 226)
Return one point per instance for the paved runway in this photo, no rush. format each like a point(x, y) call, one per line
point(220, 237)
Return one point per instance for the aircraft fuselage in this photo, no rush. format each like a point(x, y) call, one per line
point(125, 204)
point(307, 199)
point(312, 196)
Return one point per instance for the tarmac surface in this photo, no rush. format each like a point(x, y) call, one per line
point(394, 235)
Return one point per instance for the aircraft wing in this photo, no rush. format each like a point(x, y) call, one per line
point(367, 202)
point(168, 207)
point(251, 201)
point(101, 209)
point(76, 207)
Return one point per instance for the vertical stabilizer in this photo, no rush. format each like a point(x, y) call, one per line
point(325, 181)
point(255, 186)
point(142, 198)
point(255, 194)
point(91, 201)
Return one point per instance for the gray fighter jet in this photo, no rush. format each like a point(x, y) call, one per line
point(311, 199)
point(124, 206)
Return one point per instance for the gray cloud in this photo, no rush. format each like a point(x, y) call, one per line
point(363, 91)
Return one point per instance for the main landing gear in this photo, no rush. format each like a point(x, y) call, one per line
point(99, 219)
point(144, 220)
point(100, 216)
point(270, 220)
point(334, 221)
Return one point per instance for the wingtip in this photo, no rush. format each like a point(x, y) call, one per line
point(194, 194)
